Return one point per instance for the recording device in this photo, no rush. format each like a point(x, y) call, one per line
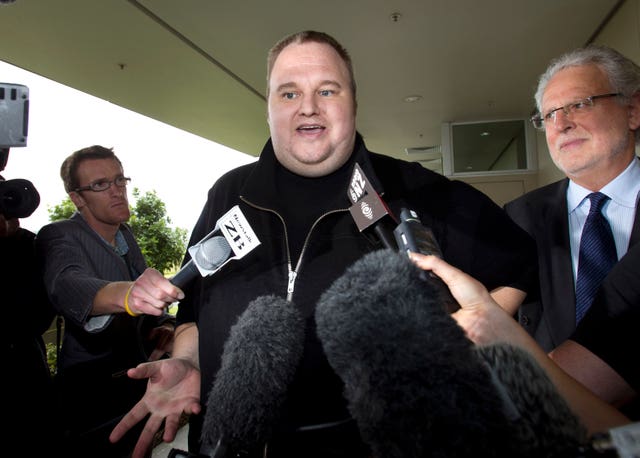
point(417, 386)
point(259, 360)
point(14, 115)
point(412, 235)
point(18, 197)
point(368, 209)
point(232, 233)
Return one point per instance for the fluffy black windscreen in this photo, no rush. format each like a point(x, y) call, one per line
point(416, 385)
point(259, 361)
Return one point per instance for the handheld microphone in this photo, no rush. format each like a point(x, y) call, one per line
point(215, 250)
point(368, 208)
point(259, 360)
point(412, 235)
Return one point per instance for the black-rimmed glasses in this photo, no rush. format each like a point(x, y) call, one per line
point(103, 185)
point(577, 107)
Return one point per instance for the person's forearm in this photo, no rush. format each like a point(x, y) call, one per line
point(508, 298)
point(185, 345)
point(592, 372)
point(110, 298)
point(595, 414)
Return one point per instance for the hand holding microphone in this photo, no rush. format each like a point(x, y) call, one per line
point(150, 294)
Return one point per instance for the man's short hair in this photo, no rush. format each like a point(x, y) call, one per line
point(623, 74)
point(69, 168)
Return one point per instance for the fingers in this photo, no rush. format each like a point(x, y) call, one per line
point(171, 424)
point(151, 293)
point(145, 440)
point(133, 417)
point(144, 370)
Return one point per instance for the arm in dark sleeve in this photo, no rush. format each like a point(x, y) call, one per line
point(610, 327)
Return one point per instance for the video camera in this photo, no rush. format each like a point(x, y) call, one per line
point(18, 197)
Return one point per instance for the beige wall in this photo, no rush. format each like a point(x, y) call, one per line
point(622, 33)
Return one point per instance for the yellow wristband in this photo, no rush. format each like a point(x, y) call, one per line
point(126, 301)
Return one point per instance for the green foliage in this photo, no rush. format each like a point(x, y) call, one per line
point(61, 211)
point(162, 246)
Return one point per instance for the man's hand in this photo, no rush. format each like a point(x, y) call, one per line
point(173, 388)
point(151, 293)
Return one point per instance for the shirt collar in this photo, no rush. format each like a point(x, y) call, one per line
point(623, 189)
point(121, 247)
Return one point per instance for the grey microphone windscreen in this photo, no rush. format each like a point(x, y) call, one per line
point(259, 360)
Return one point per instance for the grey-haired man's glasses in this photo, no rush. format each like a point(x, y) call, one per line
point(577, 107)
point(103, 185)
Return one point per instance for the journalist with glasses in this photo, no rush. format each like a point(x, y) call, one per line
point(113, 305)
point(588, 103)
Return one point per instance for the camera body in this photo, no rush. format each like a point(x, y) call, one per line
point(18, 197)
point(14, 115)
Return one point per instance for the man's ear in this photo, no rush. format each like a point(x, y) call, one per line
point(77, 199)
point(634, 112)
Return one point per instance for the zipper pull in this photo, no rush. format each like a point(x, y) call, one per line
point(292, 280)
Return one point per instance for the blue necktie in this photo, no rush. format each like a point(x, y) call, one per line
point(597, 254)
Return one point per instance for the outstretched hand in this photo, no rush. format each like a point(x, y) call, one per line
point(173, 388)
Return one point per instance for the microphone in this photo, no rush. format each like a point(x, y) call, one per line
point(211, 254)
point(232, 232)
point(412, 235)
point(259, 360)
point(414, 383)
point(542, 422)
point(368, 208)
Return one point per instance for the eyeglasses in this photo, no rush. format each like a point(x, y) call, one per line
point(103, 185)
point(578, 107)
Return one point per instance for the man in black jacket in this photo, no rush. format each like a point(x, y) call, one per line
point(295, 199)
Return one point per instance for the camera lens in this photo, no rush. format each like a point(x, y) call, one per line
point(18, 198)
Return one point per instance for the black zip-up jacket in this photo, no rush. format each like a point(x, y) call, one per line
point(473, 232)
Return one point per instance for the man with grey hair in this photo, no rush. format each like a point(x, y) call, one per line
point(588, 104)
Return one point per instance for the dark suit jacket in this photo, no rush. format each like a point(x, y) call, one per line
point(77, 263)
point(543, 213)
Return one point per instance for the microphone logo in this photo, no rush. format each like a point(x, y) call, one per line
point(358, 185)
point(367, 211)
point(238, 236)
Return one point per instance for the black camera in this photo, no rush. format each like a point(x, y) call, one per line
point(18, 197)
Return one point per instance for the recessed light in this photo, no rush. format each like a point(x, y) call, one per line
point(412, 98)
point(485, 134)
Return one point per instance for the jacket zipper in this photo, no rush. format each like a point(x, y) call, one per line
point(293, 273)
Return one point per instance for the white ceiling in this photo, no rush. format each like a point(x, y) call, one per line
point(200, 64)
